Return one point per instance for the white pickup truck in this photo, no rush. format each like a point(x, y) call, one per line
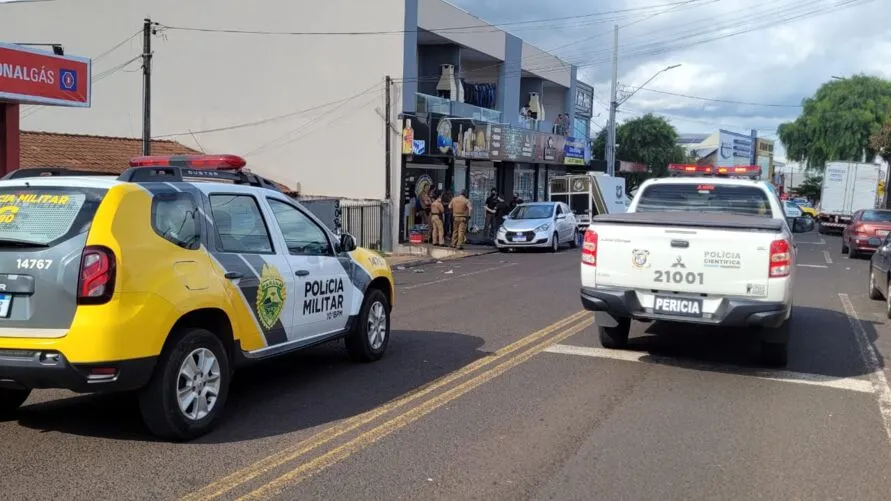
point(709, 251)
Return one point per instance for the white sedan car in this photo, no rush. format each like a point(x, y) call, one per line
point(538, 225)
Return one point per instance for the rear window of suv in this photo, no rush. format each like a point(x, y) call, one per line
point(42, 216)
point(704, 197)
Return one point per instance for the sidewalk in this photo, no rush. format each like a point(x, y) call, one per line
point(420, 255)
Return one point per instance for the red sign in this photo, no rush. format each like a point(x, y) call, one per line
point(29, 76)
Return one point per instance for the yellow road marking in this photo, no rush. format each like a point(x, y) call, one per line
point(368, 438)
point(269, 463)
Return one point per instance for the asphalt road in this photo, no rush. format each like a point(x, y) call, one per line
point(495, 387)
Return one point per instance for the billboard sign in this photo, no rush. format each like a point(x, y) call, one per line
point(734, 149)
point(29, 76)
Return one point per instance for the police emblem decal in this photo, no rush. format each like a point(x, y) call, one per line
point(639, 258)
point(271, 294)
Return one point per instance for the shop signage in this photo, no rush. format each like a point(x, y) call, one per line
point(549, 148)
point(32, 76)
point(734, 149)
point(584, 99)
point(512, 145)
point(471, 138)
point(574, 151)
point(459, 137)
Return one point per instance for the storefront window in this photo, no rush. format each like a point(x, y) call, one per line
point(524, 182)
point(482, 180)
point(418, 177)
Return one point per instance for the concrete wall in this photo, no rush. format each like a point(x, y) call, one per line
point(268, 89)
point(554, 100)
point(437, 14)
point(546, 66)
point(509, 77)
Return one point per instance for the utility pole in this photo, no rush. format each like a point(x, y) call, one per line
point(147, 87)
point(388, 83)
point(610, 149)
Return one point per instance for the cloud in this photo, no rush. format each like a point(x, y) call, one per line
point(763, 51)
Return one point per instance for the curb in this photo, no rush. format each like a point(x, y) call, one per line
point(426, 261)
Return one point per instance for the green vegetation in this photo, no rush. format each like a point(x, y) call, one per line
point(649, 140)
point(838, 122)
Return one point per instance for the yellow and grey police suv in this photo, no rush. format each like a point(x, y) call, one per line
point(166, 279)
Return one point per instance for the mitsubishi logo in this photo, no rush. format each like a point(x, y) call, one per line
point(678, 263)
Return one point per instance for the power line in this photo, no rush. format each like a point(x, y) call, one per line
point(491, 27)
point(726, 101)
point(266, 120)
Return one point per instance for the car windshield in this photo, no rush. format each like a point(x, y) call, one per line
point(877, 216)
point(539, 211)
point(704, 197)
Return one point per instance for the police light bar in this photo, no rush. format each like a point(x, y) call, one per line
point(209, 162)
point(710, 170)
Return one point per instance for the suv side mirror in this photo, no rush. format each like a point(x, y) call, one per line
point(347, 242)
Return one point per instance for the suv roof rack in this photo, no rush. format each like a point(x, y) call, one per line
point(51, 171)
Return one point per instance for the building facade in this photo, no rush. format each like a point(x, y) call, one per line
point(312, 107)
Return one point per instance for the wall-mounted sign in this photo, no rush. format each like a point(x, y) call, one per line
point(512, 145)
point(574, 151)
point(31, 76)
point(584, 99)
point(734, 149)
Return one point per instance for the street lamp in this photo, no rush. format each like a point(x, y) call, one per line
point(614, 105)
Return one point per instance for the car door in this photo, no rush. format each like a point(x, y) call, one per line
point(323, 293)
point(882, 262)
point(561, 222)
point(246, 250)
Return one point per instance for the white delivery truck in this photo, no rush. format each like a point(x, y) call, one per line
point(589, 194)
point(847, 188)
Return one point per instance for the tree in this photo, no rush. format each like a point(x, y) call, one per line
point(811, 188)
point(649, 140)
point(881, 139)
point(838, 121)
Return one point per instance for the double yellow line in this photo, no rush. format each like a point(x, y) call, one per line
point(564, 328)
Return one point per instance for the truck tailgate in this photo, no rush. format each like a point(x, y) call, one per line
point(690, 259)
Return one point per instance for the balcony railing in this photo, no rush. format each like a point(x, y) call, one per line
point(433, 104)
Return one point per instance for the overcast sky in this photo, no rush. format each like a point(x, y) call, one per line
point(779, 60)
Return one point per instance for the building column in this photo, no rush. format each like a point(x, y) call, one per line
point(570, 99)
point(9, 138)
point(410, 58)
point(510, 74)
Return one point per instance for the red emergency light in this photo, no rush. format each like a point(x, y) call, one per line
point(702, 170)
point(209, 162)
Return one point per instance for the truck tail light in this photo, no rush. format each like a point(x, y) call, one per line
point(589, 248)
point(95, 284)
point(780, 258)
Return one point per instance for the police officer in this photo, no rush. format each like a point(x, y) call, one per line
point(491, 209)
point(460, 207)
point(436, 214)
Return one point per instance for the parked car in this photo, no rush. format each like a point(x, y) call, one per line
point(867, 230)
point(538, 225)
point(166, 279)
point(880, 272)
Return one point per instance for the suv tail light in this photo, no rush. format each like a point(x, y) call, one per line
point(780, 258)
point(589, 248)
point(97, 275)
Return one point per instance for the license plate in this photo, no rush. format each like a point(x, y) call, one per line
point(520, 238)
point(678, 306)
point(5, 304)
point(882, 233)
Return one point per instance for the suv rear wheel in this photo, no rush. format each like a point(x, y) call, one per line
point(11, 399)
point(189, 387)
point(368, 340)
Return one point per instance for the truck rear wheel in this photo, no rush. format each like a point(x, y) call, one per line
point(615, 337)
point(11, 399)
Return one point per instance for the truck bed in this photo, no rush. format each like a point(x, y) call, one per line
point(692, 219)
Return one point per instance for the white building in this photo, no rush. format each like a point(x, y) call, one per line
point(309, 110)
